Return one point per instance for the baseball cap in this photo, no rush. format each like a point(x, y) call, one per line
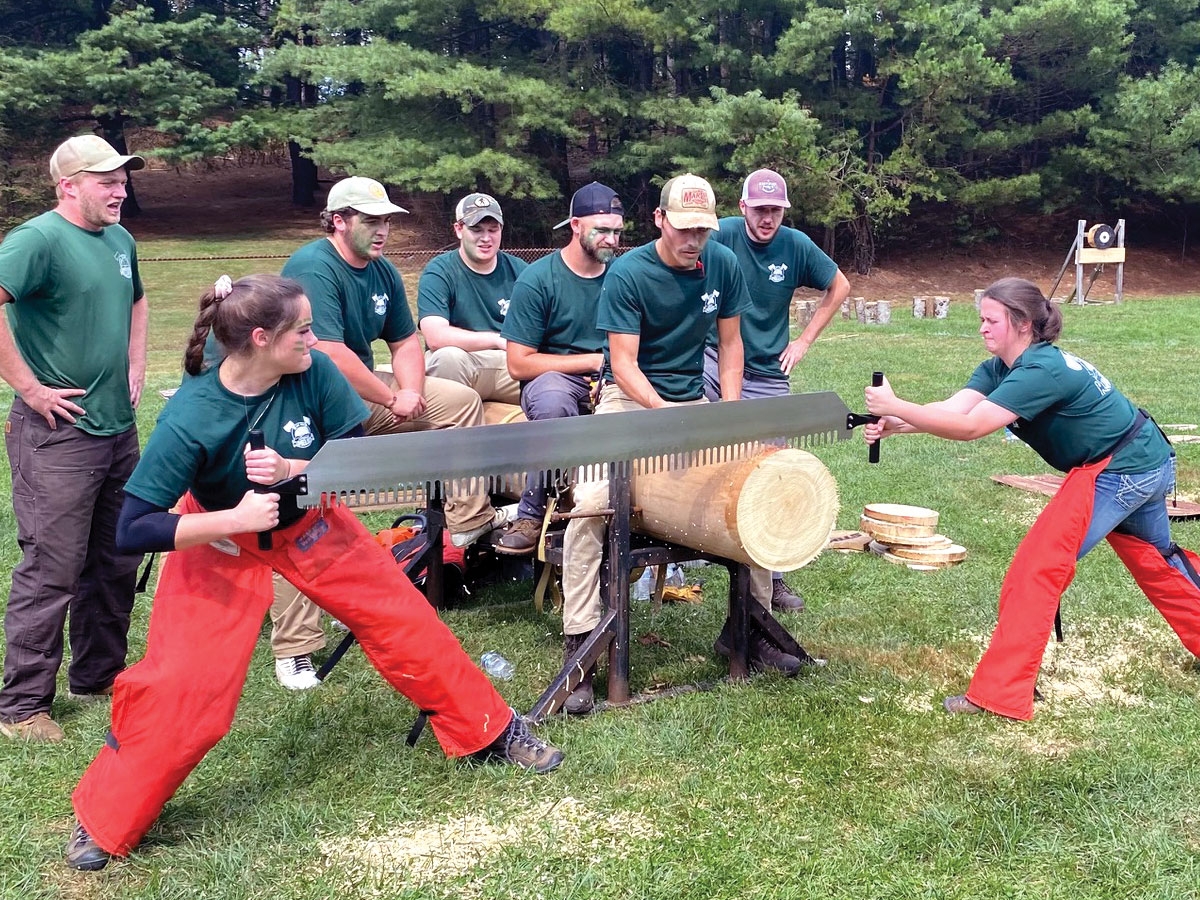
point(593, 199)
point(688, 201)
point(765, 188)
point(474, 208)
point(89, 153)
point(364, 195)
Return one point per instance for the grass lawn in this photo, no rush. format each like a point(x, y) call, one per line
point(847, 782)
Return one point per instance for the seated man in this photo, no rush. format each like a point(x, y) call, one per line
point(462, 298)
point(358, 297)
point(657, 305)
point(554, 347)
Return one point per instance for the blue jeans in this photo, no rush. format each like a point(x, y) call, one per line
point(1136, 504)
point(552, 395)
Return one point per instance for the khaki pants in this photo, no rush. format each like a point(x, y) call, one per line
point(484, 371)
point(295, 621)
point(583, 543)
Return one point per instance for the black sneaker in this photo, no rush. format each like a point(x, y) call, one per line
point(85, 854)
point(519, 746)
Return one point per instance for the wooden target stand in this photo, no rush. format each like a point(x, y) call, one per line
point(1095, 246)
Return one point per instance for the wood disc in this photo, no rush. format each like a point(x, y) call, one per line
point(932, 555)
point(886, 552)
point(878, 528)
point(901, 514)
point(936, 541)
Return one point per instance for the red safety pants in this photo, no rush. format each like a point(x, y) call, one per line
point(174, 705)
point(1042, 569)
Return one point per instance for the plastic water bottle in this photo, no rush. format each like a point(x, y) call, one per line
point(644, 587)
point(1009, 436)
point(675, 575)
point(496, 665)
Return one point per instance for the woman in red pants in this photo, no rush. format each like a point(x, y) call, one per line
point(216, 587)
point(1120, 469)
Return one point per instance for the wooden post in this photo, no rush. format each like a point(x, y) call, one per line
point(941, 307)
point(860, 309)
point(978, 298)
point(919, 307)
point(883, 312)
point(1079, 244)
point(870, 313)
point(1121, 265)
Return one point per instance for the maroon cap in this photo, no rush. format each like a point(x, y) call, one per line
point(765, 188)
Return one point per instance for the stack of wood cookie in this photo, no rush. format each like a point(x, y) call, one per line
point(908, 535)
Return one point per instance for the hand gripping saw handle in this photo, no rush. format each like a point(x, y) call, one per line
point(853, 420)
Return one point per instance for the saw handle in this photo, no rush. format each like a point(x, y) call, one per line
point(259, 442)
point(873, 449)
point(853, 420)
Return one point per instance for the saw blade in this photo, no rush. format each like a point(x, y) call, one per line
point(498, 458)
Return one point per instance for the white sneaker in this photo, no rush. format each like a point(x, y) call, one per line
point(503, 515)
point(296, 673)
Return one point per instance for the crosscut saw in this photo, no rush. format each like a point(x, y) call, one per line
point(498, 458)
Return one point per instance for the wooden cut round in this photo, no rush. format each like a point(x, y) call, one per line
point(932, 555)
point(886, 552)
point(901, 514)
point(937, 540)
point(878, 528)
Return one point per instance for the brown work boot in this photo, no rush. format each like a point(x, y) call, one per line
point(959, 705)
point(582, 700)
point(783, 599)
point(763, 654)
point(519, 746)
point(520, 538)
point(84, 853)
point(39, 728)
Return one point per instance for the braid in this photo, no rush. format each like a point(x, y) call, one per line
point(193, 356)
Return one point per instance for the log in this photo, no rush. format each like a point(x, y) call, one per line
point(883, 312)
point(775, 509)
point(941, 307)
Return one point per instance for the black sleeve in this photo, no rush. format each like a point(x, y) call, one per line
point(144, 527)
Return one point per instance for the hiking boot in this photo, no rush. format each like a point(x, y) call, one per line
point(582, 700)
point(519, 746)
point(520, 538)
point(296, 673)
point(38, 728)
point(85, 854)
point(783, 599)
point(763, 654)
point(500, 517)
point(103, 695)
point(959, 705)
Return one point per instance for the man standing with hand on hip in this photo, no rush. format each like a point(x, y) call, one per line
point(73, 349)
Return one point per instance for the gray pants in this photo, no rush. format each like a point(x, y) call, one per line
point(68, 487)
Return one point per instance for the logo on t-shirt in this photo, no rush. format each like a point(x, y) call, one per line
point(124, 265)
point(381, 304)
point(1103, 385)
point(710, 301)
point(777, 271)
point(503, 304)
point(301, 433)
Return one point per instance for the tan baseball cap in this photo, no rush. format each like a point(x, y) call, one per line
point(89, 153)
point(364, 195)
point(688, 201)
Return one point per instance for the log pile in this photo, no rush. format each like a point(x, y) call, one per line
point(908, 535)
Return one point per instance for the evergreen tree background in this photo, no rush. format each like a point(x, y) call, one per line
point(890, 119)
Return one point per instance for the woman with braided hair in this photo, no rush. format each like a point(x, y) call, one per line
point(1120, 470)
point(215, 587)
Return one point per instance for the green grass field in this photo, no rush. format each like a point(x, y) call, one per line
point(847, 782)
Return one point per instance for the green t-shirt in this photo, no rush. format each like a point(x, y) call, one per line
point(198, 442)
point(773, 271)
point(1070, 414)
point(553, 310)
point(73, 292)
point(465, 298)
point(351, 306)
point(672, 311)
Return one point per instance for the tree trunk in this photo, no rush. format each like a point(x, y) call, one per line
point(304, 177)
point(114, 132)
